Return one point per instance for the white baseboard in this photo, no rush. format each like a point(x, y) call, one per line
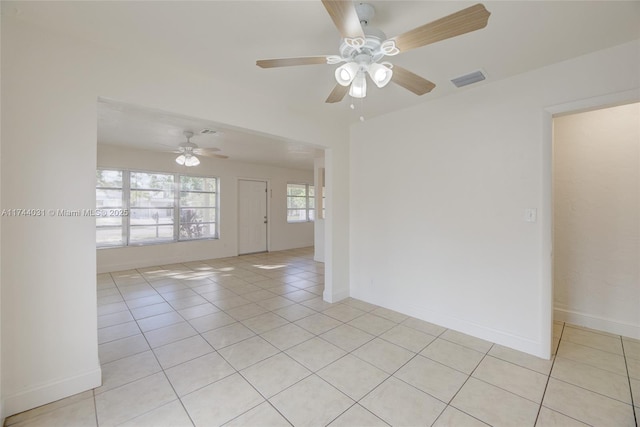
point(50, 392)
point(596, 322)
point(338, 296)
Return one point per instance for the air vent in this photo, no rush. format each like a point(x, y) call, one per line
point(207, 131)
point(467, 79)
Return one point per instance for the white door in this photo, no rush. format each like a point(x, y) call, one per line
point(252, 216)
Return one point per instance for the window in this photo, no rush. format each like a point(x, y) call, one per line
point(197, 207)
point(159, 208)
point(300, 202)
point(109, 195)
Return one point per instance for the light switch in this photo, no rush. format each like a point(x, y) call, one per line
point(530, 215)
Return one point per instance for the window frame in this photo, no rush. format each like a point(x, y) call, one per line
point(309, 211)
point(176, 208)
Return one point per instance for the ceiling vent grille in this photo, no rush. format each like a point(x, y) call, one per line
point(467, 79)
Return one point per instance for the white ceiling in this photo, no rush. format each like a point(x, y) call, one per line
point(224, 38)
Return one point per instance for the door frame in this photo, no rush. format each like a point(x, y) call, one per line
point(546, 223)
point(267, 195)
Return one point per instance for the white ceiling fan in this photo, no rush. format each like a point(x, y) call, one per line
point(188, 150)
point(363, 48)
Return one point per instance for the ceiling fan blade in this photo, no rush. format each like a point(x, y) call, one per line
point(411, 81)
point(205, 151)
point(219, 156)
point(462, 22)
point(337, 93)
point(344, 16)
point(288, 62)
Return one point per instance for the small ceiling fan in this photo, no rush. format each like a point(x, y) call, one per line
point(188, 150)
point(363, 48)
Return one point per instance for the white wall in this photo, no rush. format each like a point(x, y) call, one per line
point(282, 235)
point(596, 177)
point(48, 267)
point(319, 228)
point(441, 234)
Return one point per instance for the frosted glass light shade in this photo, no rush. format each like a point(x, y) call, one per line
point(191, 161)
point(358, 88)
point(181, 159)
point(346, 73)
point(380, 74)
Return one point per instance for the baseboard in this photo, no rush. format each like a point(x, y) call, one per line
point(596, 322)
point(339, 296)
point(50, 392)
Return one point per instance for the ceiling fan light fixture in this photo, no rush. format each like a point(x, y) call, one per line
point(358, 88)
point(346, 73)
point(380, 74)
point(181, 159)
point(191, 161)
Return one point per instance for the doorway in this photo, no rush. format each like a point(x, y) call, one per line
point(252, 216)
point(596, 198)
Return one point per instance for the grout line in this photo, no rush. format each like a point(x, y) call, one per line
point(626, 365)
point(550, 370)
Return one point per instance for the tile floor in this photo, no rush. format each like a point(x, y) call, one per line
point(248, 341)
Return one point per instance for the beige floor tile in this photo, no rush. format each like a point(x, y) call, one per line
point(347, 337)
point(146, 301)
point(40, 414)
point(400, 404)
point(549, 418)
point(109, 299)
point(230, 302)
point(452, 417)
point(360, 305)
point(274, 374)
point(294, 312)
point(631, 348)
point(635, 390)
point(232, 395)
point(169, 334)
point(494, 406)
point(374, 325)
point(316, 353)
point(587, 406)
point(197, 373)
point(259, 295)
point(408, 338)
point(343, 312)
point(198, 310)
point(465, 340)
point(211, 321)
point(227, 335)
point(519, 358)
point(115, 332)
point(246, 311)
point(516, 379)
point(114, 319)
point(317, 304)
point(124, 347)
point(591, 378)
point(384, 355)
point(78, 414)
point(453, 355)
point(318, 323)
point(357, 416)
point(287, 336)
point(131, 400)
point(394, 316)
point(159, 321)
point(593, 339)
point(264, 322)
point(299, 296)
point(191, 301)
point(248, 352)
point(169, 415)
point(422, 326)
point(432, 377)
point(275, 302)
point(181, 351)
point(353, 376)
point(633, 368)
point(594, 357)
point(263, 415)
point(311, 402)
point(112, 308)
point(128, 369)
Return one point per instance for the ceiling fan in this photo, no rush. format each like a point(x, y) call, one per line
point(363, 48)
point(187, 152)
